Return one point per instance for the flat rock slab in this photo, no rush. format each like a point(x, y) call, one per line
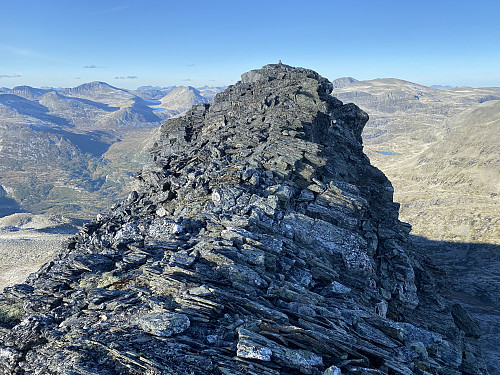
point(164, 324)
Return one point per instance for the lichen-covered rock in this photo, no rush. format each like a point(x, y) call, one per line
point(164, 324)
point(260, 240)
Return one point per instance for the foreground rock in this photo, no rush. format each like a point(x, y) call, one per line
point(260, 241)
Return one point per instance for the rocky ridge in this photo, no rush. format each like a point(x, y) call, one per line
point(260, 240)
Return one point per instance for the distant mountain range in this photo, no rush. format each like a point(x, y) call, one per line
point(441, 151)
point(54, 143)
point(443, 87)
point(437, 147)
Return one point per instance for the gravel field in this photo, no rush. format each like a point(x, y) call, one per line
point(27, 242)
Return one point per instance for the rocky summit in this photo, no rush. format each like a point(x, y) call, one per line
point(260, 240)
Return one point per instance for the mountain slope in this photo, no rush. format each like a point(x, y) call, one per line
point(28, 92)
point(52, 142)
point(182, 98)
point(461, 171)
point(343, 82)
point(152, 93)
point(420, 137)
point(99, 92)
point(441, 151)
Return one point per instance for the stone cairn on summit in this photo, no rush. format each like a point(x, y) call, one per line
point(260, 241)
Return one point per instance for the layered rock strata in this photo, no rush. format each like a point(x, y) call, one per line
point(260, 241)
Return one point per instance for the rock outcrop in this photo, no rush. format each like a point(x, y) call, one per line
point(260, 241)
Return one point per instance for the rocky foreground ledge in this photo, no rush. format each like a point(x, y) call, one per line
point(260, 241)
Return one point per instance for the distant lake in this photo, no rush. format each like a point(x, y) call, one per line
point(158, 109)
point(387, 153)
point(152, 101)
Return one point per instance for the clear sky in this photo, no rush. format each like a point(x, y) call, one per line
point(189, 42)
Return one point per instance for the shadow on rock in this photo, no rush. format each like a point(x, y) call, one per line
point(9, 206)
point(471, 273)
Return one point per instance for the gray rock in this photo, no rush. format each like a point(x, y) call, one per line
point(465, 321)
point(332, 370)
point(164, 324)
point(337, 288)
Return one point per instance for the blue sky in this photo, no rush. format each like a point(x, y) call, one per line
point(134, 43)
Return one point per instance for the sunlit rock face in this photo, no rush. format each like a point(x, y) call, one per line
point(260, 240)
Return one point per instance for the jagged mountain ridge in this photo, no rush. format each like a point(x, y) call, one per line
point(261, 241)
